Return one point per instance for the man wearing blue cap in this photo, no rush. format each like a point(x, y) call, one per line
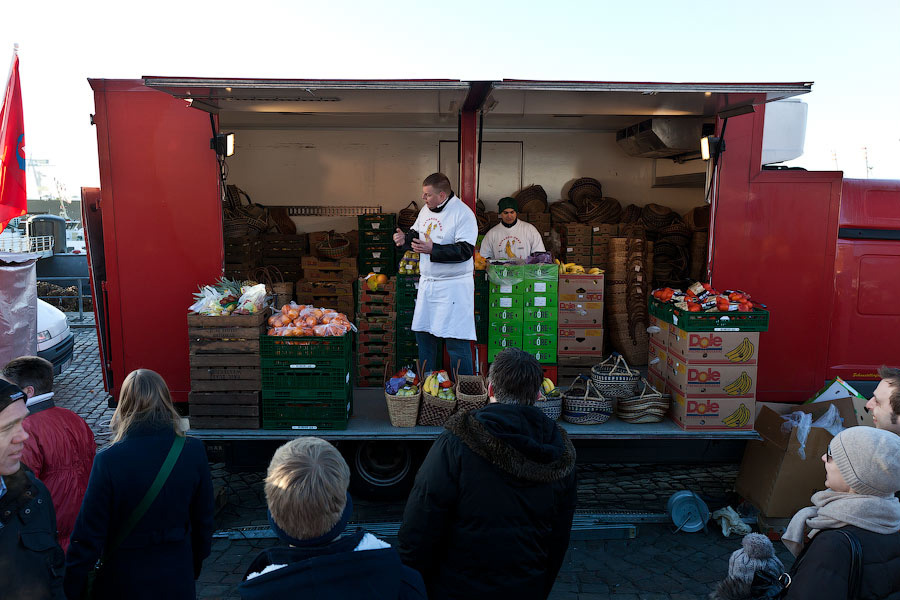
point(511, 238)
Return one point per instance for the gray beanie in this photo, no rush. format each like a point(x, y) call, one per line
point(869, 460)
point(756, 554)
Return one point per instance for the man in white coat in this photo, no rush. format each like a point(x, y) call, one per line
point(444, 235)
point(511, 238)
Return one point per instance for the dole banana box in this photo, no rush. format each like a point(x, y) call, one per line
point(657, 359)
point(703, 380)
point(581, 313)
point(733, 414)
point(656, 380)
point(581, 288)
point(659, 332)
point(714, 347)
point(580, 341)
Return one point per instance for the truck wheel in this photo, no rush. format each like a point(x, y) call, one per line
point(382, 470)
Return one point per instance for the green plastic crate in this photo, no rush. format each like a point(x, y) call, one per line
point(543, 327)
point(377, 222)
point(541, 287)
point(306, 376)
point(306, 414)
point(408, 283)
point(516, 289)
point(501, 328)
point(272, 346)
point(540, 300)
point(379, 237)
point(504, 341)
point(544, 356)
point(539, 341)
point(534, 313)
point(757, 320)
point(506, 314)
point(377, 252)
point(506, 301)
point(386, 266)
point(540, 272)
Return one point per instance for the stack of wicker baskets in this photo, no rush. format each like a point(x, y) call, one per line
point(628, 286)
point(532, 199)
point(601, 209)
point(655, 217)
point(671, 255)
point(697, 221)
point(563, 212)
point(583, 188)
point(631, 213)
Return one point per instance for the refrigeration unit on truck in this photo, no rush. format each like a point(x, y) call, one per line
point(819, 250)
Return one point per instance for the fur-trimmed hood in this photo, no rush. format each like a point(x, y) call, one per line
point(517, 439)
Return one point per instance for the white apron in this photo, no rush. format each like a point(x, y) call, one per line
point(445, 303)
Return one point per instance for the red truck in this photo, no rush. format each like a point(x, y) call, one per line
point(821, 251)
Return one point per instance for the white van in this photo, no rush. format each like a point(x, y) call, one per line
point(55, 340)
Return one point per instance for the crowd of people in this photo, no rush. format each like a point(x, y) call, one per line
point(489, 514)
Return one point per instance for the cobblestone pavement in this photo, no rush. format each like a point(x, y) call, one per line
point(656, 564)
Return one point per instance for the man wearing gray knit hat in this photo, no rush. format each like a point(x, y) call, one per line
point(862, 474)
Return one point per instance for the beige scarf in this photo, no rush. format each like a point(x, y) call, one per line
point(832, 510)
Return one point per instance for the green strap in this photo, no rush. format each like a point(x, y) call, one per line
point(150, 496)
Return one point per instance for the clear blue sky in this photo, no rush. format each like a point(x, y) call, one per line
point(850, 51)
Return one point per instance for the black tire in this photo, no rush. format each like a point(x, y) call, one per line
point(382, 470)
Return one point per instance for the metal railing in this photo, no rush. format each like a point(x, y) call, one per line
point(41, 244)
point(78, 285)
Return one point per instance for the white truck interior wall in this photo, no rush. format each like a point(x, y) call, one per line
point(296, 167)
point(555, 159)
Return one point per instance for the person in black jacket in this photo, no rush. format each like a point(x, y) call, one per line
point(491, 509)
point(31, 561)
point(163, 554)
point(862, 467)
point(306, 490)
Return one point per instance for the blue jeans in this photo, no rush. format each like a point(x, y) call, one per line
point(460, 352)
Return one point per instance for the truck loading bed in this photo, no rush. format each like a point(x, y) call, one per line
point(370, 422)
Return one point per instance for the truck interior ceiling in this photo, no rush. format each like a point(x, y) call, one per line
point(370, 143)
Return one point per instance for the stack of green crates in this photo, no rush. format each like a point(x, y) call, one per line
point(482, 301)
point(405, 294)
point(306, 382)
point(540, 292)
point(377, 251)
point(506, 301)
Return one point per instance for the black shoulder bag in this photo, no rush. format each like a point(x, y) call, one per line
point(766, 586)
point(164, 471)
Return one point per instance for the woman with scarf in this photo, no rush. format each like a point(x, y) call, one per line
point(862, 468)
point(511, 238)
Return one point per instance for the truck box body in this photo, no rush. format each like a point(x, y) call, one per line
point(362, 144)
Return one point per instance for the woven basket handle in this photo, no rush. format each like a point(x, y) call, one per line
point(620, 360)
point(647, 385)
point(263, 275)
point(587, 389)
point(275, 272)
point(414, 205)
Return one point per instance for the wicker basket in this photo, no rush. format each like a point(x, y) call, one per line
point(403, 411)
point(613, 377)
point(532, 198)
point(550, 405)
point(434, 411)
point(563, 212)
point(408, 216)
point(583, 404)
point(471, 392)
point(650, 406)
point(334, 247)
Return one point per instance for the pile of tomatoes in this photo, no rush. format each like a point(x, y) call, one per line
point(295, 320)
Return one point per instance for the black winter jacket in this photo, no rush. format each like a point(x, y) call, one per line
point(31, 561)
point(164, 553)
point(332, 571)
point(491, 510)
point(823, 569)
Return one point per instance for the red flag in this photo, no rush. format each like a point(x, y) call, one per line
point(12, 150)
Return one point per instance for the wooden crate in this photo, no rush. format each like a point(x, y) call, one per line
point(224, 410)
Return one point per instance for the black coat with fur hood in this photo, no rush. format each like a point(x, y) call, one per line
point(491, 509)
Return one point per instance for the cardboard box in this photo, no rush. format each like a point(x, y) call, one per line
point(657, 358)
point(580, 341)
point(661, 337)
point(773, 476)
point(581, 313)
point(712, 413)
point(657, 380)
point(573, 288)
point(715, 347)
point(711, 381)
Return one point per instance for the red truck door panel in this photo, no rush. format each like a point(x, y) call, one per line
point(162, 222)
point(774, 235)
point(867, 281)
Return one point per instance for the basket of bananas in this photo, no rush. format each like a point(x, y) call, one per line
point(614, 378)
point(438, 399)
point(471, 392)
point(650, 406)
point(550, 400)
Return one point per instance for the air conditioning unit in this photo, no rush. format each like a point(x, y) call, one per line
point(661, 137)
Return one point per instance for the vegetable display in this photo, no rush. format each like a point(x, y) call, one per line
point(228, 297)
point(404, 383)
point(702, 297)
point(409, 264)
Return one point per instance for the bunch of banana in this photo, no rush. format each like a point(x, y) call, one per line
point(742, 352)
point(439, 384)
point(739, 386)
point(739, 417)
point(575, 269)
point(549, 389)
